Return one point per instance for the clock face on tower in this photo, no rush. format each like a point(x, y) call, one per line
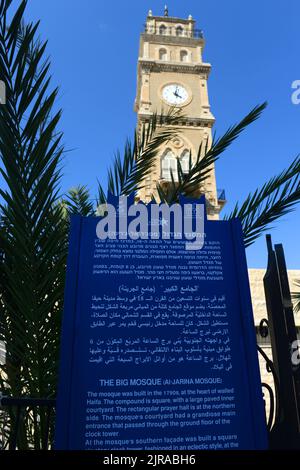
point(175, 94)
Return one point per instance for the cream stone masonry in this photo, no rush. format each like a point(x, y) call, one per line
point(256, 277)
point(170, 54)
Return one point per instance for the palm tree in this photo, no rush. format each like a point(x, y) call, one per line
point(257, 212)
point(34, 215)
point(32, 235)
point(296, 297)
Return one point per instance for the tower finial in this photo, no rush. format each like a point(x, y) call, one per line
point(166, 11)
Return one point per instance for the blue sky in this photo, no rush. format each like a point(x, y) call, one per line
point(253, 47)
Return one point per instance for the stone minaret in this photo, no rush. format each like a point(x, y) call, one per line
point(171, 73)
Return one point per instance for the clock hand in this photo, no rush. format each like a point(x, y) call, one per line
point(178, 96)
point(176, 93)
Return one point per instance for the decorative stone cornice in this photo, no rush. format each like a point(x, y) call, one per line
point(188, 122)
point(177, 67)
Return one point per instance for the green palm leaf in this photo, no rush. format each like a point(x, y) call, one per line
point(188, 183)
point(78, 202)
point(274, 199)
point(296, 297)
point(33, 233)
point(128, 173)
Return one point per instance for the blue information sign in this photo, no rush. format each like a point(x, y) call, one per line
point(158, 346)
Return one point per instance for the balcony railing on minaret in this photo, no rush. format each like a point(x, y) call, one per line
point(170, 31)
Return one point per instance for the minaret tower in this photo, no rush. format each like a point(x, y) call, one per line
point(171, 73)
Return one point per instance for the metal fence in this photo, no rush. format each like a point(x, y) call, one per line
point(18, 413)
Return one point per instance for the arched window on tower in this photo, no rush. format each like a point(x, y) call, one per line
point(185, 161)
point(184, 56)
point(162, 29)
point(163, 55)
point(179, 31)
point(168, 165)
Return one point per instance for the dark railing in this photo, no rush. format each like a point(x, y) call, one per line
point(15, 410)
point(264, 339)
point(284, 416)
point(171, 31)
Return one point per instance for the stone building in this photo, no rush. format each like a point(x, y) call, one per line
point(171, 72)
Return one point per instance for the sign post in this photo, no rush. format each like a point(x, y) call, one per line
point(158, 345)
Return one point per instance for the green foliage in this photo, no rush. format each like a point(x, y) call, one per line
point(274, 199)
point(296, 298)
point(32, 236)
point(187, 184)
point(78, 202)
point(127, 174)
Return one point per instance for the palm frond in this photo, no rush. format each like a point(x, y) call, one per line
point(190, 182)
point(128, 173)
point(78, 202)
point(101, 196)
point(296, 297)
point(33, 234)
point(275, 198)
